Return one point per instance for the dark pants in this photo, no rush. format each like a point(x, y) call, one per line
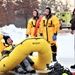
point(54, 52)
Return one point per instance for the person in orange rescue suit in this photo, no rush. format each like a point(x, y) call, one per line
point(32, 24)
point(49, 27)
point(25, 66)
point(8, 41)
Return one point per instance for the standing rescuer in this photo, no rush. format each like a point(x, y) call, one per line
point(49, 27)
point(8, 41)
point(32, 24)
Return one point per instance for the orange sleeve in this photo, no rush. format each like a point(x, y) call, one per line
point(1, 37)
point(56, 24)
point(29, 26)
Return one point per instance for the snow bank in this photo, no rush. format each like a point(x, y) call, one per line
point(65, 45)
point(17, 34)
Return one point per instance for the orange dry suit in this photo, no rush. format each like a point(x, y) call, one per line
point(3, 45)
point(48, 28)
point(31, 27)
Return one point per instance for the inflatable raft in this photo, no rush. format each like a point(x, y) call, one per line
point(24, 48)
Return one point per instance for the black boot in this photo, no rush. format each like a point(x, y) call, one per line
point(31, 53)
point(28, 67)
point(54, 50)
point(73, 67)
point(54, 57)
point(30, 61)
point(20, 70)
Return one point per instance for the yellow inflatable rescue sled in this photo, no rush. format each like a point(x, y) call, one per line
point(24, 48)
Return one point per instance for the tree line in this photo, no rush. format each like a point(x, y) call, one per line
point(19, 11)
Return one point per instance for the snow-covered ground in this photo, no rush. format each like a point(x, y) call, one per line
point(65, 53)
point(65, 43)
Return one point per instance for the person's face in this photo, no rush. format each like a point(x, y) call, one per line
point(9, 41)
point(47, 11)
point(34, 13)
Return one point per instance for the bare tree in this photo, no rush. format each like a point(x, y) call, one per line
point(63, 6)
point(10, 6)
point(45, 3)
point(67, 5)
point(6, 12)
point(55, 5)
point(2, 14)
point(11, 10)
point(26, 7)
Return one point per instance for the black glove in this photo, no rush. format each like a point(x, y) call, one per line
point(54, 36)
point(27, 35)
point(5, 52)
point(41, 34)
